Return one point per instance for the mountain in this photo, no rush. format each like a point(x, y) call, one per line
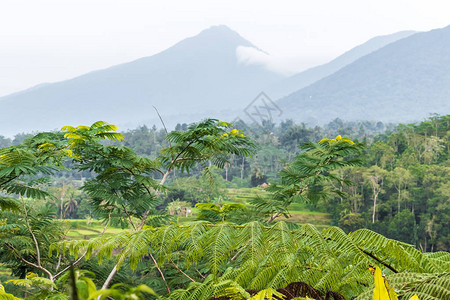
point(305, 78)
point(197, 77)
point(404, 81)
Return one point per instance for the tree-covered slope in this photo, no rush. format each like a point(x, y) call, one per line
point(310, 76)
point(401, 82)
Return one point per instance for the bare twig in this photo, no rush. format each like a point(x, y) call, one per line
point(160, 272)
point(163, 180)
point(129, 217)
point(201, 275)
point(110, 278)
point(162, 122)
point(240, 250)
point(178, 268)
point(71, 265)
point(107, 224)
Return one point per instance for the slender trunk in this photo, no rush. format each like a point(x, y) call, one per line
point(226, 173)
point(110, 278)
point(61, 208)
point(355, 199)
point(63, 193)
point(374, 207)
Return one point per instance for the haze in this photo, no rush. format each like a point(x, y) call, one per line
point(53, 40)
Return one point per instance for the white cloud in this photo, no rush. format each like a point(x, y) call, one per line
point(283, 64)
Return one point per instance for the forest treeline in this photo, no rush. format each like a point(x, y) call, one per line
point(386, 186)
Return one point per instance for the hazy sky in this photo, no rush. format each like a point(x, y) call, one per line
point(53, 40)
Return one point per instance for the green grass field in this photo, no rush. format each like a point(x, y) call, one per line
point(80, 229)
point(5, 275)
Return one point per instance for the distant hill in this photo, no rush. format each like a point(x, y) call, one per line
point(305, 78)
point(202, 77)
point(197, 77)
point(401, 82)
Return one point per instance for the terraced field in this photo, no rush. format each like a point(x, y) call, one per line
point(81, 229)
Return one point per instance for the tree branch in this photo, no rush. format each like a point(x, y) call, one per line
point(240, 250)
point(129, 217)
point(38, 252)
point(9, 180)
point(273, 217)
point(163, 180)
point(162, 122)
point(160, 271)
point(201, 275)
point(178, 268)
point(71, 265)
point(14, 250)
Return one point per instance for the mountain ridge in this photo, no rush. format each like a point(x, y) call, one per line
point(198, 77)
point(404, 81)
point(311, 75)
point(197, 73)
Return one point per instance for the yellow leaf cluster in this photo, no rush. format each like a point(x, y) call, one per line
point(382, 290)
point(338, 139)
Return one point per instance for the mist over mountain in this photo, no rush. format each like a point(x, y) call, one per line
point(197, 77)
point(404, 81)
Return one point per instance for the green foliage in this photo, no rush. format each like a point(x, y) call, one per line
point(402, 191)
point(26, 234)
point(210, 140)
point(18, 166)
point(127, 185)
point(217, 213)
point(43, 286)
point(10, 204)
point(117, 292)
point(258, 257)
point(6, 296)
point(208, 187)
point(76, 283)
point(29, 227)
point(302, 179)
